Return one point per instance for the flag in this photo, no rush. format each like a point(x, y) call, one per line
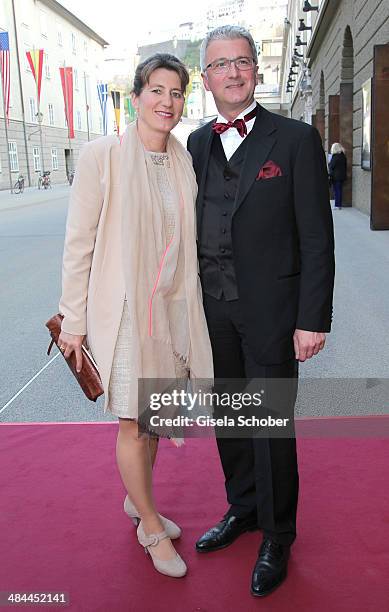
point(116, 105)
point(130, 110)
point(102, 91)
point(67, 90)
point(35, 59)
point(4, 69)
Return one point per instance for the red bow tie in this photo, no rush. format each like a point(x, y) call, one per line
point(239, 124)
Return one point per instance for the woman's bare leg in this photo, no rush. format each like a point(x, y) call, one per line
point(133, 454)
point(153, 443)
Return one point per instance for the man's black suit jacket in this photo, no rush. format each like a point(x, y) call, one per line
point(282, 233)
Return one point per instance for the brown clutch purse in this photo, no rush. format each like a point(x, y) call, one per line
point(88, 378)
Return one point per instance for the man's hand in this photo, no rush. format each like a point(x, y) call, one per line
point(68, 343)
point(307, 343)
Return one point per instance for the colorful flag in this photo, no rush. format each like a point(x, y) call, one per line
point(130, 110)
point(35, 59)
point(102, 91)
point(67, 90)
point(116, 105)
point(4, 69)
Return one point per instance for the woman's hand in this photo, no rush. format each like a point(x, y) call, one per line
point(68, 343)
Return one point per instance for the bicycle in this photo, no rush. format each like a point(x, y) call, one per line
point(44, 180)
point(19, 185)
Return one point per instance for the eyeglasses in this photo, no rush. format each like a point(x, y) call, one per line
point(223, 64)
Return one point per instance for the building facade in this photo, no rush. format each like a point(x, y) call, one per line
point(226, 13)
point(335, 75)
point(66, 41)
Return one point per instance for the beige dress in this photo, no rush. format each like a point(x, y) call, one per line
point(122, 367)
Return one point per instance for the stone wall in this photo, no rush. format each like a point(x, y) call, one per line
point(361, 24)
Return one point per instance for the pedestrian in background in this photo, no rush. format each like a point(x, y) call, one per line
point(130, 281)
point(338, 171)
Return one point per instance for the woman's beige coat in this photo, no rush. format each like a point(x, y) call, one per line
point(97, 255)
point(92, 267)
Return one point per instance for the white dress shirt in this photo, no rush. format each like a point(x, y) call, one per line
point(231, 139)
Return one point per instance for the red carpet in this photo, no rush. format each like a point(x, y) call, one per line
point(62, 527)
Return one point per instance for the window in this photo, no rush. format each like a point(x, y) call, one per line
point(266, 48)
point(270, 48)
point(47, 66)
point(51, 114)
point(78, 115)
point(37, 158)
point(13, 156)
point(54, 159)
point(26, 15)
point(43, 23)
point(59, 37)
point(74, 46)
point(32, 110)
point(75, 75)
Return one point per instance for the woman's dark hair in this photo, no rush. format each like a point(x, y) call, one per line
point(159, 60)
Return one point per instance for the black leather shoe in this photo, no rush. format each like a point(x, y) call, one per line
point(225, 532)
point(270, 569)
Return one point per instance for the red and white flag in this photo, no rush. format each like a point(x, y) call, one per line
point(67, 89)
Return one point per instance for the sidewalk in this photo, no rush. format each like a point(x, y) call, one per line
point(357, 346)
point(31, 196)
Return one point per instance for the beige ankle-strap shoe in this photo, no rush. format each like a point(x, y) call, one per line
point(175, 567)
point(173, 531)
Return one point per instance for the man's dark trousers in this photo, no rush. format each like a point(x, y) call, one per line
point(260, 473)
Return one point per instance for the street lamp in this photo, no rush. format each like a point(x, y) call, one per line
point(299, 42)
point(39, 118)
point(302, 27)
point(308, 7)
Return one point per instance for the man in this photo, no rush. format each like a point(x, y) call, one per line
point(266, 253)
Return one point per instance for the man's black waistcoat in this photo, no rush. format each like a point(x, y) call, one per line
point(215, 240)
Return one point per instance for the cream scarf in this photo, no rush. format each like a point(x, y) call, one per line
point(162, 283)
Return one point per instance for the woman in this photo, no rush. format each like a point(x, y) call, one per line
point(338, 171)
point(130, 281)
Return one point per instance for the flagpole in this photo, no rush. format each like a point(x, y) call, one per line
point(21, 94)
point(6, 133)
point(40, 119)
point(86, 106)
point(67, 117)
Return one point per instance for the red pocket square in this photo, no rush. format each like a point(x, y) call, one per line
point(269, 170)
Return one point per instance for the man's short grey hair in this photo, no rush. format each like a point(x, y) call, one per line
point(227, 32)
